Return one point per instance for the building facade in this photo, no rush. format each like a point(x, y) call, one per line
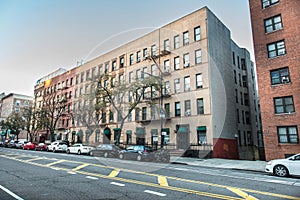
point(276, 28)
point(207, 102)
point(13, 103)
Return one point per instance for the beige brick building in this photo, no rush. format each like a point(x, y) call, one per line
point(276, 28)
point(209, 99)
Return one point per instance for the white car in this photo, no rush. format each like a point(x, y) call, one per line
point(79, 149)
point(57, 146)
point(284, 167)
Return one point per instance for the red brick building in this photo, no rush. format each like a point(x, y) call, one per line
point(276, 36)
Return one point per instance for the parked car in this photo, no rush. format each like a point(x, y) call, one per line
point(29, 146)
point(284, 167)
point(12, 144)
point(5, 143)
point(20, 144)
point(41, 147)
point(79, 149)
point(106, 150)
point(57, 146)
point(138, 152)
point(1, 144)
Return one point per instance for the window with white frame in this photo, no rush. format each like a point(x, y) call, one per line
point(288, 134)
point(167, 89)
point(276, 49)
point(131, 59)
point(176, 63)
point(273, 24)
point(167, 45)
point(187, 107)
point(280, 76)
point(138, 56)
point(199, 81)
point(145, 53)
point(176, 42)
point(200, 106)
point(197, 36)
point(106, 69)
point(198, 56)
point(167, 65)
point(121, 78)
point(114, 65)
point(121, 62)
point(187, 83)
point(186, 60)
point(268, 3)
point(177, 85)
point(153, 50)
point(186, 38)
point(284, 105)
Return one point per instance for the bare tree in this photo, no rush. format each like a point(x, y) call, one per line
point(15, 123)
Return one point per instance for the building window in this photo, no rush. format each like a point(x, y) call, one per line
point(167, 66)
point(177, 85)
point(152, 110)
point(201, 133)
point(153, 69)
point(145, 53)
point(100, 70)
point(187, 83)
point(131, 59)
point(138, 74)
point(199, 81)
point(167, 45)
point(103, 118)
point(137, 114)
point(273, 24)
point(121, 62)
point(81, 78)
point(288, 134)
point(234, 74)
point(187, 107)
point(280, 76)
point(138, 56)
point(200, 106)
point(233, 58)
point(176, 41)
point(247, 116)
point(130, 77)
point(177, 109)
point(197, 36)
point(144, 113)
point(267, 3)
point(276, 49)
point(284, 105)
point(167, 110)
point(244, 79)
point(176, 63)
point(121, 79)
point(198, 56)
point(186, 60)
point(186, 38)
point(238, 115)
point(114, 65)
point(167, 90)
point(153, 50)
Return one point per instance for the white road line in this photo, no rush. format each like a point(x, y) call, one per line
point(57, 169)
point(91, 177)
point(118, 184)
point(72, 172)
point(10, 193)
point(155, 193)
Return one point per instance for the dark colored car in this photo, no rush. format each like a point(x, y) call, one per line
point(138, 152)
point(12, 143)
point(106, 150)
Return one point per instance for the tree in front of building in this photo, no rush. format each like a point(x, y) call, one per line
point(15, 124)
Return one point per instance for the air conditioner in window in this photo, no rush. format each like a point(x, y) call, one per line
point(188, 113)
point(266, 4)
point(285, 80)
point(186, 64)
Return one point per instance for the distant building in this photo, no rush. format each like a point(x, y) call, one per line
point(276, 36)
point(209, 98)
point(13, 103)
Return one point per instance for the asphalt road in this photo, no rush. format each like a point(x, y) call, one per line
point(43, 175)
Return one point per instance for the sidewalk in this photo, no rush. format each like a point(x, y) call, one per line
point(258, 165)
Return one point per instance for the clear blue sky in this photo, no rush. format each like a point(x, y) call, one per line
point(39, 36)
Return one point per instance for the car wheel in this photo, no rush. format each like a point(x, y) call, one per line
point(47, 149)
point(68, 151)
point(79, 152)
point(121, 156)
point(53, 150)
point(280, 170)
point(139, 157)
point(105, 154)
point(91, 153)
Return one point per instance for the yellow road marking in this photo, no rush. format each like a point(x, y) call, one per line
point(157, 185)
point(114, 173)
point(80, 167)
point(54, 163)
point(33, 159)
point(241, 193)
point(162, 180)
